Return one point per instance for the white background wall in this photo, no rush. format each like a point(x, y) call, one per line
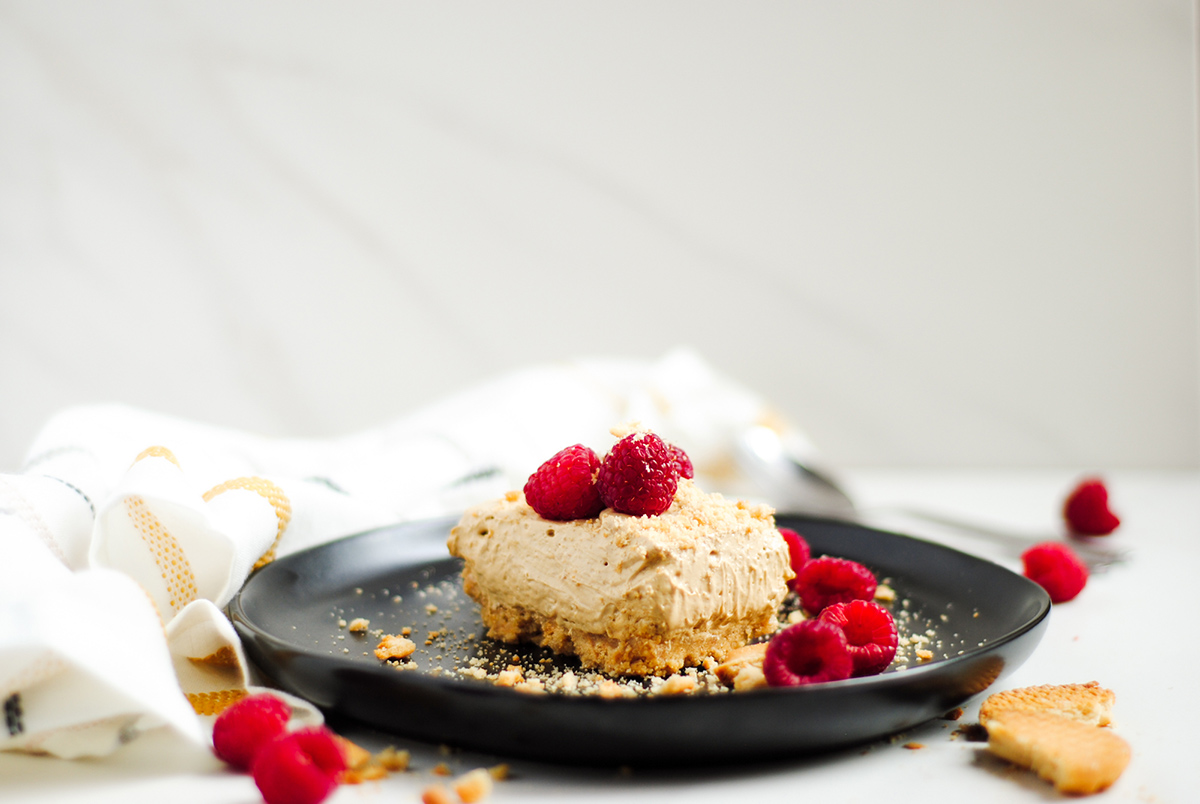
point(934, 233)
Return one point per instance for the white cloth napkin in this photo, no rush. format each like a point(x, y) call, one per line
point(127, 531)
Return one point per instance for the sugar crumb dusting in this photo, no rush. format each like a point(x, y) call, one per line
point(465, 655)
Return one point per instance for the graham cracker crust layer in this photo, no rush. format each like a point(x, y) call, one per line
point(655, 654)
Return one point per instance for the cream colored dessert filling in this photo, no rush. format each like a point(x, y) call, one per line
point(707, 566)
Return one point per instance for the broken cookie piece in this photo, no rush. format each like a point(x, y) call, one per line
point(742, 669)
point(1087, 703)
point(1058, 732)
point(1075, 757)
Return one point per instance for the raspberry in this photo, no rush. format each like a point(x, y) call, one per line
point(683, 464)
point(564, 487)
point(299, 768)
point(1056, 568)
point(824, 581)
point(870, 634)
point(798, 552)
point(246, 726)
point(809, 652)
point(1086, 509)
point(638, 476)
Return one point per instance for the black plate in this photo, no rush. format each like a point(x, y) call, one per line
point(985, 619)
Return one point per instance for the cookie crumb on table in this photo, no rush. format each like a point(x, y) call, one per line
point(394, 759)
point(971, 732)
point(363, 766)
point(474, 785)
point(436, 794)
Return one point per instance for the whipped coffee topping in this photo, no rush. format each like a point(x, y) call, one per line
point(705, 561)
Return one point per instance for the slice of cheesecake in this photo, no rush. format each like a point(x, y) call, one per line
point(629, 595)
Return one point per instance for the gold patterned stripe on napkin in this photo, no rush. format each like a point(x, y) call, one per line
point(214, 703)
point(157, 452)
point(223, 657)
point(172, 562)
point(273, 494)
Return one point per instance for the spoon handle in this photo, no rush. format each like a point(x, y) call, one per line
point(1098, 557)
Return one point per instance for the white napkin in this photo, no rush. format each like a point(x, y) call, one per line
point(128, 531)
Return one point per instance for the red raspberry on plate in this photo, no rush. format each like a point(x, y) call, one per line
point(564, 487)
point(1086, 509)
point(798, 552)
point(870, 634)
point(638, 476)
point(246, 726)
point(809, 652)
point(824, 581)
point(1055, 567)
point(299, 768)
point(683, 464)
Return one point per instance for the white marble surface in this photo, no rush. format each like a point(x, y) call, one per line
point(1128, 629)
point(938, 234)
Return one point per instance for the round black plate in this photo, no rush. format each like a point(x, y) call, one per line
point(986, 620)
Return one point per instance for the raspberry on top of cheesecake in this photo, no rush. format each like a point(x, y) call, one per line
point(629, 593)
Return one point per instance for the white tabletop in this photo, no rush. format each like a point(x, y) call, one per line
point(1129, 630)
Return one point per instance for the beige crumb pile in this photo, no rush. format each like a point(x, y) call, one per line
point(742, 669)
point(473, 786)
point(469, 788)
point(393, 647)
point(363, 766)
point(1060, 732)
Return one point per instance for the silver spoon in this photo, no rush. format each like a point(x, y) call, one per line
point(795, 486)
